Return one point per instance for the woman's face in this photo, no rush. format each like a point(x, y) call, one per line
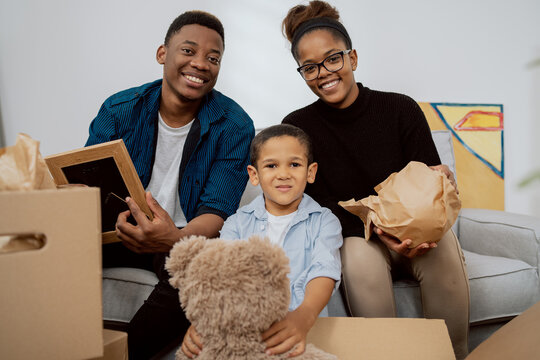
point(337, 89)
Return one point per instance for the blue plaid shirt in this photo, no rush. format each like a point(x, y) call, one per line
point(213, 170)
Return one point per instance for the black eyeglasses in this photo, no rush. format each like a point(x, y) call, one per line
point(332, 63)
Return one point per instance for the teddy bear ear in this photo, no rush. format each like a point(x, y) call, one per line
point(181, 255)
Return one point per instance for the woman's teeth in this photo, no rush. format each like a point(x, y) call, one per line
point(330, 84)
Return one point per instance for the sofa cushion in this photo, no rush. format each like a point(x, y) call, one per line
point(494, 283)
point(124, 292)
point(445, 148)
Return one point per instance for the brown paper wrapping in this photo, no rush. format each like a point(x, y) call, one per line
point(416, 203)
point(22, 167)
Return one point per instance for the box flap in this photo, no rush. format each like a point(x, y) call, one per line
point(517, 340)
point(382, 339)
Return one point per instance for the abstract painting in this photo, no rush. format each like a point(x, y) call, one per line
point(478, 139)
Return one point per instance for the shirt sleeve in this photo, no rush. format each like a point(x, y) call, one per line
point(229, 231)
point(228, 175)
point(325, 257)
point(102, 128)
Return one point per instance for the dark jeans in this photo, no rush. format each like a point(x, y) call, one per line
point(160, 323)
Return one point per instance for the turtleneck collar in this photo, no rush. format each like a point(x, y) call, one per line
point(351, 112)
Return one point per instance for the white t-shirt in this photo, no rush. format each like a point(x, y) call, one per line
point(277, 227)
point(166, 171)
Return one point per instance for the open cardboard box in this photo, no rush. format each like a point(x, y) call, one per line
point(517, 340)
point(50, 298)
point(382, 339)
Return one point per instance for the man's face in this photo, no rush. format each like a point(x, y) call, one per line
point(191, 62)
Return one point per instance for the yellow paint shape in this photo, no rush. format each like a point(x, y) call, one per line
point(482, 121)
point(485, 145)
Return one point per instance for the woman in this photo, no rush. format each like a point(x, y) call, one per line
point(360, 137)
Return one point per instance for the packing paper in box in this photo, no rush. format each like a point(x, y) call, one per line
point(22, 167)
point(416, 203)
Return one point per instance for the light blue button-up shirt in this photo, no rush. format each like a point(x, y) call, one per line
point(312, 242)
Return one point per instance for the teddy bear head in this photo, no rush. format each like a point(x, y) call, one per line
point(230, 286)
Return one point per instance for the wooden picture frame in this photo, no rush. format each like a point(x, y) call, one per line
point(109, 167)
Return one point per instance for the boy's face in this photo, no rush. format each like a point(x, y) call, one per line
point(283, 172)
point(191, 62)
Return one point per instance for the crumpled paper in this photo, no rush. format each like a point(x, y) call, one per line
point(416, 203)
point(22, 167)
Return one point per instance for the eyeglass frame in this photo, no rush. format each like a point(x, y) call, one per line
point(342, 53)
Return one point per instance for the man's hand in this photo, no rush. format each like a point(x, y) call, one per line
point(402, 248)
point(288, 333)
point(158, 235)
point(192, 344)
point(449, 174)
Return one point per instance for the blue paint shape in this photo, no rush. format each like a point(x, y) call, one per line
point(488, 164)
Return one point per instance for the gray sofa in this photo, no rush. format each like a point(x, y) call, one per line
point(502, 252)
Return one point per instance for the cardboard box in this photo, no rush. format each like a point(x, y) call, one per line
point(517, 340)
point(382, 339)
point(50, 298)
point(115, 346)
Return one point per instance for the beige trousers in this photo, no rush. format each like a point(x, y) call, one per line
point(441, 272)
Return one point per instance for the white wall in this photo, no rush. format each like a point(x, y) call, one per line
point(60, 59)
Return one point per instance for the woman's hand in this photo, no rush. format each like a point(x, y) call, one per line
point(402, 248)
point(288, 333)
point(449, 174)
point(191, 345)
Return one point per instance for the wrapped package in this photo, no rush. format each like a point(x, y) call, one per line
point(22, 167)
point(416, 203)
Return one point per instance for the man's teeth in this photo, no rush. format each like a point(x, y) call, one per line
point(332, 83)
point(194, 79)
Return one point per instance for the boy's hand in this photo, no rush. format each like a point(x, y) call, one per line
point(289, 333)
point(402, 248)
point(191, 345)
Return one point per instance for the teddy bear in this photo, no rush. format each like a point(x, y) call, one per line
point(232, 291)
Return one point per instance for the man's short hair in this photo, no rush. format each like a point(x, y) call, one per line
point(195, 17)
point(278, 131)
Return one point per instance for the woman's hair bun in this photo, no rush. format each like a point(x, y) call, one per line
point(301, 13)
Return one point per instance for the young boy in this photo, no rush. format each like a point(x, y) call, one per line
point(282, 163)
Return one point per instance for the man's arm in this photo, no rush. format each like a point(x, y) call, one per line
point(102, 128)
point(228, 176)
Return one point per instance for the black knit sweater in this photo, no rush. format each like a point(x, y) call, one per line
point(360, 146)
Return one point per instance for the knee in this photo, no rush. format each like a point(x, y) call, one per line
point(367, 279)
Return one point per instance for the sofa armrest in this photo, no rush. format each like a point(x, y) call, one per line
point(499, 233)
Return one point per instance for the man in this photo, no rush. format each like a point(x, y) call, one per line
point(189, 144)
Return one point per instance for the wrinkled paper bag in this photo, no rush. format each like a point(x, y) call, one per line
point(22, 167)
point(416, 203)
